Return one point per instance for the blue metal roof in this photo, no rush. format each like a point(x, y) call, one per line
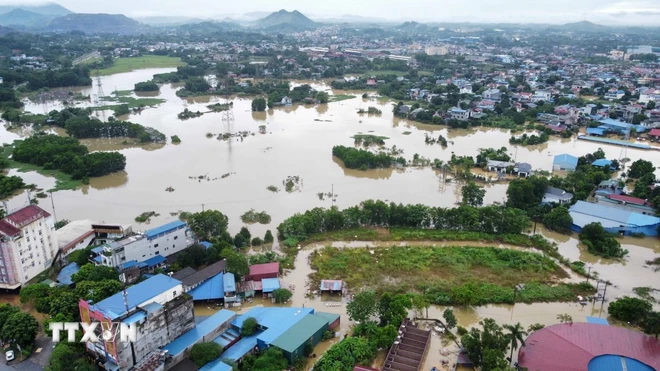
point(566, 159)
point(98, 259)
point(136, 317)
point(584, 213)
point(241, 348)
point(216, 365)
point(154, 261)
point(212, 288)
point(595, 131)
point(64, 277)
point(270, 284)
point(114, 307)
point(198, 332)
point(97, 250)
point(602, 162)
point(206, 244)
point(129, 264)
point(614, 123)
point(600, 321)
point(275, 320)
point(165, 228)
point(229, 282)
point(152, 307)
point(615, 142)
point(617, 363)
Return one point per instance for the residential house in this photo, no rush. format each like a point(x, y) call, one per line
point(557, 196)
point(614, 94)
point(499, 166)
point(602, 163)
point(649, 95)
point(610, 186)
point(28, 245)
point(523, 169)
point(541, 95)
point(564, 162)
point(460, 114)
point(404, 110)
point(486, 104)
point(654, 135)
point(286, 101)
point(492, 94)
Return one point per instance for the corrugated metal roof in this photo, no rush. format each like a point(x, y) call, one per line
point(209, 290)
point(275, 320)
point(198, 332)
point(627, 199)
point(26, 215)
point(329, 317)
point(164, 228)
point(600, 321)
point(270, 284)
point(265, 268)
point(566, 159)
point(616, 363)
point(655, 132)
point(299, 333)
point(206, 244)
point(334, 285)
point(129, 264)
point(602, 162)
point(135, 317)
point(64, 277)
point(154, 261)
point(241, 348)
point(216, 365)
point(114, 306)
point(204, 274)
point(229, 282)
point(584, 213)
point(570, 347)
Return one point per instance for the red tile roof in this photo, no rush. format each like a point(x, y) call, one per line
point(258, 269)
point(8, 229)
point(627, 199)
point(655, 132)
point(364, 368)
point(570, 347)
point(26, 215)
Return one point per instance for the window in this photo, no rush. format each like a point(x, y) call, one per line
point(175, 237)
point(157, 253)
point(174, 293)
point(156, 245)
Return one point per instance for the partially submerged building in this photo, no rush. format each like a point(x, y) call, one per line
point(614, 220)
point(409, 349)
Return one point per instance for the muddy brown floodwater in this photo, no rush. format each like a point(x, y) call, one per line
point(298, 141)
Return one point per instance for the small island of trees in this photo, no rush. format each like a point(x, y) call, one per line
point(146, 86)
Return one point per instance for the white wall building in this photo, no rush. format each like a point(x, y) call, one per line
point(28, 245)
point(165, 240)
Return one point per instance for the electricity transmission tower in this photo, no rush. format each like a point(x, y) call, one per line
point(228, 114)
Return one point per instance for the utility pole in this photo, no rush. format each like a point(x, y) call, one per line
point(333, 194)
point(202, 207)
point(588, 274)
point(52, 202)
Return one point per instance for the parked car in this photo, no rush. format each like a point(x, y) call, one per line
point(9, 356)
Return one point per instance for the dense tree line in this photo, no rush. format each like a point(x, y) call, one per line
point(61, 78)
point(9, 185)
point(637, 312)
point(600, 242)
point(79, 124)
point(67, 155)
point(488, 219)
point(146, 86)
point(362, 159)
point(17, 327)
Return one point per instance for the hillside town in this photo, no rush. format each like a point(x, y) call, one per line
point(280, 192)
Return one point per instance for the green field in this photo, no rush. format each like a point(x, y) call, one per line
point(340, 97)
point(392, 72)
point(449, 275)
point(137, 63)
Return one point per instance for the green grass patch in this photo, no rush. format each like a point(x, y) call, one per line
point(367, 140)
point(122, 93)
point(646, 293)
point(63, 182)
point(449, 275)
point(137, 63)
point(340, 97)
point(407, 132)
point(131, 102)
point(251, 216)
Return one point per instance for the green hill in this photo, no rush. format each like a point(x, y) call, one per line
point(293, 19)
point(96, 23)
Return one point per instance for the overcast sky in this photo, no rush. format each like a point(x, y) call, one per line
point(641, 12)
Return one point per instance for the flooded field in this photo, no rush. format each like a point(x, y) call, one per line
point(298, 142)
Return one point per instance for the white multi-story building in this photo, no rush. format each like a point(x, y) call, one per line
point(28, 245)
point(165, 240)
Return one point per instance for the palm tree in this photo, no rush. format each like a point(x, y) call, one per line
point(516, 333)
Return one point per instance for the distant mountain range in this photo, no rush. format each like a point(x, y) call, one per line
point(96, 23)
point(49, 9)
point(30, 16)
point(291, 20)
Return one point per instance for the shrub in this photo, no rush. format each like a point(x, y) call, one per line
point(204, 353)
point(249, 326)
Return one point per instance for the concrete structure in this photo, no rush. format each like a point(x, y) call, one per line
point(28, 245)
point(157, 306)
point(499, 166)
point(456, 113)
point(409, 350)
point(523, 169)
point(492, 94)
point(564, 162)
point(332, 285)
point(589, 347)
point(76, 235)
point(556, 195)
point(165, 240)
point(614, 220)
